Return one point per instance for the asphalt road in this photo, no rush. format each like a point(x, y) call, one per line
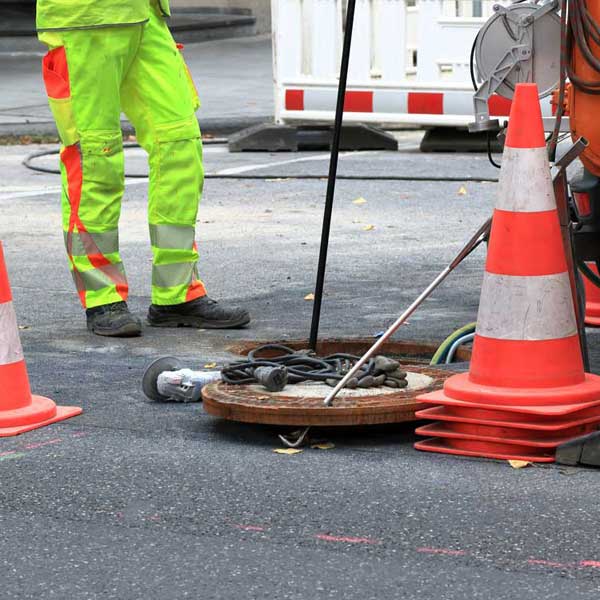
point(137, 500)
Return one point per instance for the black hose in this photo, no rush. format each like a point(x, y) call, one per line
point(588, 273)
point(450, 179)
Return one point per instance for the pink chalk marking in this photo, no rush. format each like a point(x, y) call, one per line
point(346, 539)
point(40, 444)
point(7, 453)
point(249, 527)
point(79, 434)
point(548, 563)
point(444, 551)
point(590, 563)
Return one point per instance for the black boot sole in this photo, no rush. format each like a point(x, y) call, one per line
point(127, 331)
point(198, 322)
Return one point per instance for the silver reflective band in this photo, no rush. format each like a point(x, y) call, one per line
point(526, 308)
point(84, 243)
point(172, 237)
point(10, 344)
point(94, 280)
point(525, 182)
point(172, 275)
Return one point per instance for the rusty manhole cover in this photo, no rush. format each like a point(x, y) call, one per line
point(302, 404)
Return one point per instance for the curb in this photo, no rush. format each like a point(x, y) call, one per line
point(211, 126)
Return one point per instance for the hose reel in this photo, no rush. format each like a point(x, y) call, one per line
point(519, 43)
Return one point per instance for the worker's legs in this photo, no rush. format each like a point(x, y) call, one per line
point(83, 72)
point(159, 99)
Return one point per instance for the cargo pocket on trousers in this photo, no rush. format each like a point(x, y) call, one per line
point(56, 79)
point(102, 157)
point(193, 89)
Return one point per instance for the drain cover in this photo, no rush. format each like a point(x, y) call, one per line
point(302, 404)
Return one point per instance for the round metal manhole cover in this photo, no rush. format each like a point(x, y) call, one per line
point(302, 404)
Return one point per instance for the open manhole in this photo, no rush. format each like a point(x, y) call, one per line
point(302, 404)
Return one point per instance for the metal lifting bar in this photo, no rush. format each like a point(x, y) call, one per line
point(333, 165)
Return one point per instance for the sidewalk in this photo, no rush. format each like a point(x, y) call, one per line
point(233, 77)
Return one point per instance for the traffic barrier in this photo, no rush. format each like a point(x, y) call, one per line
point(20, 411)
point(592, 299)
point(389, 81)
point(526, 392)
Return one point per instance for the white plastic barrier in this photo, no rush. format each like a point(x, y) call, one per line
point(409, 62)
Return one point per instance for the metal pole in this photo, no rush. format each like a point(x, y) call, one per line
point(333, 164)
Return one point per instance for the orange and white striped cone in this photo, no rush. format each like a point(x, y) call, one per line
point(592, 299)
point(526, 391)
point(20, 411)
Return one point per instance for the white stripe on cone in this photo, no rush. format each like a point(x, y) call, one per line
point(10, 344)
point(525, 183)
point(536, 307)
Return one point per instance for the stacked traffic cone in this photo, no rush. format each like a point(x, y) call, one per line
point(526, 392)
point(592, 299)
point(20, 411)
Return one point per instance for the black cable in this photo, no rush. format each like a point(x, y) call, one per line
point(472, 62)
point(489, 151)
point(450, 179)
point(588, 273)
point(304, 365)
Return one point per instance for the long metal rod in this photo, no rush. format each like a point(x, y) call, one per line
point(481, 234)
point(473, 243)
point(333, 166)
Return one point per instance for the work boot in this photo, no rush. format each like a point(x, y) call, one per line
point(202, 313)
point(113, 320)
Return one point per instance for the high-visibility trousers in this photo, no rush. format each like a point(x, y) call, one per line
point(90, 76)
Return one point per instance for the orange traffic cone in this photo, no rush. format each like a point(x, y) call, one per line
point(526, 392)
point(592, 299)
point(19, 410)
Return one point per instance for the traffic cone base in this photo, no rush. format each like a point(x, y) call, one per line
point(503, 435)
point(487, 451)
point(507, 419)
point(20, 411)
point(41, 412)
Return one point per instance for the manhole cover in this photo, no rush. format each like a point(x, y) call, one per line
point(303, 404)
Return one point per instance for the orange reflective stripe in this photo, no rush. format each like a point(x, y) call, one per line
point(56, 73)
point(71, 159)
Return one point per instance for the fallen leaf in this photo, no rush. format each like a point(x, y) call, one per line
point(462, 191)
point(368, 227)
point(323, 446)
point(360, 200)
point(309, 297)
point(210, 365)
point(287, 450)
point(24, 327)
point(519, 464)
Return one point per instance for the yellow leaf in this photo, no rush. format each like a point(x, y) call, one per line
point(368, 227)
point(210, 365)
point(462, 191)
point(323, 446)
point(360, 200)
point(518, 464)
point(309, 297)
point(287, 450)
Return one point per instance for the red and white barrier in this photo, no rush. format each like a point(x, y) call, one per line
point(409, 63)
